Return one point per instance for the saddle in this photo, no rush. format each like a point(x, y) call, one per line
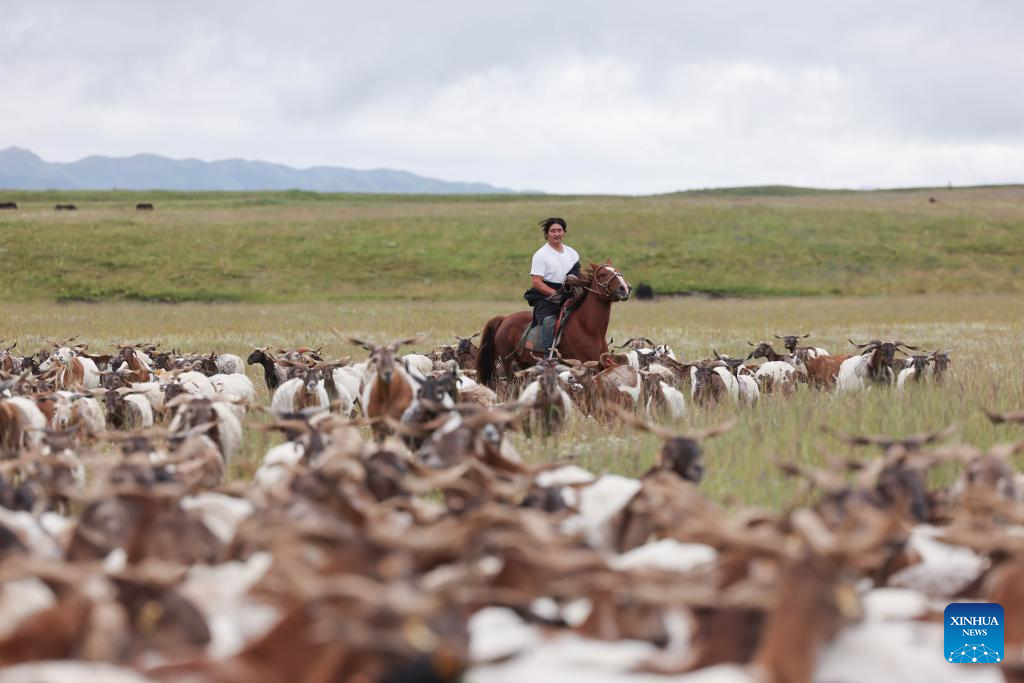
point(532, 336)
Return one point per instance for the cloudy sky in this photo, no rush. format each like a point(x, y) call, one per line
point(564, 96)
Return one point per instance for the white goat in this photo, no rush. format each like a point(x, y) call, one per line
point(74, 372)
point(308, 390)
point(549, 405)
point(235, 386)
point(71, 409)
point(732, 386)
point(21, 423)
point(229, 364)
point(667, 395)
point(776, 375)
point(418, 362)
point(915, 369)
point(192, 412)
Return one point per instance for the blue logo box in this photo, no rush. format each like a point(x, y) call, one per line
point(974, 632)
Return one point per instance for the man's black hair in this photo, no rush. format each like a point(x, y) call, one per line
point(548, 222)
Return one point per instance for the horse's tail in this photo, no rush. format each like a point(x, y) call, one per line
point(488, 356)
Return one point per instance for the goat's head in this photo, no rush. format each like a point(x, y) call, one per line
point(883, 356)
point(680, 453)
point(466, 345)
point(59, 358)
point(162, 360)
point(258, 355)
point(545, 373)
point(791, 340)
point(707, 385)
point(208, 364)
point(762, 349)
point(919, 362)
point(436, 389)
point(940, 360)
point(312, 378)
point(611, 360)
point(7, 361)
point(733, 364)
point(383, 358)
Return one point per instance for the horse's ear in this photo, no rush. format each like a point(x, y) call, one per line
point(607, 261)
point(593, 265)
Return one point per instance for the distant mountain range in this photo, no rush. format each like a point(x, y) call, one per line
point(21, 169)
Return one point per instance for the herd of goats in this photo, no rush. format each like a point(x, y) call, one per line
point(395, 534)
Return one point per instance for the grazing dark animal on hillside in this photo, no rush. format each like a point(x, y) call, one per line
point(145, 206)
point(644, 291)
point(8, 205)
point(65, 207)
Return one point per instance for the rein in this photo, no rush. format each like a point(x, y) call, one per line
point(605, 286)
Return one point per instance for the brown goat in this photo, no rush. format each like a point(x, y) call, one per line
point(388, 392)
point(821, 371)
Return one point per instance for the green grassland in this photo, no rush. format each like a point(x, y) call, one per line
point(983, 332)
point(307, 247)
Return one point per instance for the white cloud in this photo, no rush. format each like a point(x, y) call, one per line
point(573, 97)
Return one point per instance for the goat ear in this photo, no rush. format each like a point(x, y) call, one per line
point(805, 336)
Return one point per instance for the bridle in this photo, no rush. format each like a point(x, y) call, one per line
point(605, 287)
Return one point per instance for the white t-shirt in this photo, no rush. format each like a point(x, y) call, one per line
point(551, 265)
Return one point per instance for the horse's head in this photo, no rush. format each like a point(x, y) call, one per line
point(607, 281)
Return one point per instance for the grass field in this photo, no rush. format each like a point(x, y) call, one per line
point(304, 247)
point(983, 332)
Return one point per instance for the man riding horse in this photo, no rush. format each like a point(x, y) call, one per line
point(556, 275)
point(552, 264)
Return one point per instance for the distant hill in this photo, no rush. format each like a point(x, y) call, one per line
point(21, 169)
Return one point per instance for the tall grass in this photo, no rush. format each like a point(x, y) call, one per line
point(300, 246)
point(983, 332)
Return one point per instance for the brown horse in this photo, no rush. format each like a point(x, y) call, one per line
point(584, 335)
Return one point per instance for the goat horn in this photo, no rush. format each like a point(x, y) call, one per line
point(712, 432)
point(1000, 418)
point(639, 423)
